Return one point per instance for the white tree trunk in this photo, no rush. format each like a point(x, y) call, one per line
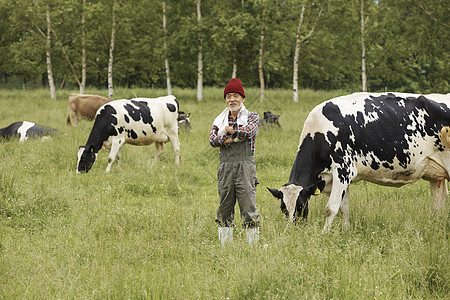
point(200, 56)
point(260, 69)
point(260, 60)
point(363, 50)
point(51, 83)
point(83, 49)
point(166, 59)
point(111, 56)
point(298, 44)
point(297, 54)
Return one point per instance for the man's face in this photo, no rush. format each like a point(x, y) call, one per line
point(234, 101)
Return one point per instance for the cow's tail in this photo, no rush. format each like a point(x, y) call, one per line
point(444, 136)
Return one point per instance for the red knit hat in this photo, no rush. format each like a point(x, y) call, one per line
point(234, 86)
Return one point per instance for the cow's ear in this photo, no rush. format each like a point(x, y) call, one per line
point(317, 188)
point(321, 185)
point(276, 193)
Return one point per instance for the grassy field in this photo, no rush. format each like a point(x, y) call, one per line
point(147, 231)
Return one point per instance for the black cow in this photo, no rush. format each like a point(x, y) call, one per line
point(270, 119)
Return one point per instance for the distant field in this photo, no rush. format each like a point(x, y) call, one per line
point(147, 231)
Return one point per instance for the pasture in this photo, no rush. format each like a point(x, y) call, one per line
point(147, 230)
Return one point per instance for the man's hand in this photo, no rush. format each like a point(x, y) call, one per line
point(228, 140)
point(229, 129)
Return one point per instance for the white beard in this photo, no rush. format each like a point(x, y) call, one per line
point(235, 108)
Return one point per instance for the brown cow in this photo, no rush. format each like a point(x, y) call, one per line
point(84, 106)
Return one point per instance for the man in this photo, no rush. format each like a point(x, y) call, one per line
point(234, 131)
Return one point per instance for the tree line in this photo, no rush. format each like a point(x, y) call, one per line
point(356, 45)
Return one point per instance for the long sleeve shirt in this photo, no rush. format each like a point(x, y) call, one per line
point(242, 132)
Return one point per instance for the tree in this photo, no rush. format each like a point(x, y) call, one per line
point(166, 58)
point(260, 59)
point(341, 44)
point(48, 58)
point(363, 49)
point(111, 52)
point(200, 55)
point(299, 41)
point(83, 48)
point(234, 41)
point(35, 23)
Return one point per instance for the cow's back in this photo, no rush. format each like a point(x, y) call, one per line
point(161, 111)
point(141, 121)
point(389, 138)
point(350, 111)
point(86, 105)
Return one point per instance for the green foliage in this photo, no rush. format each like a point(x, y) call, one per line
point(147, 230)
point(406, 43)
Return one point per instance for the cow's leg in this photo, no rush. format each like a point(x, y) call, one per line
point(439, 192)
point(74, 117)
point(334, 202)
point(339, 190)
point(159, 150)
point(345, 207)
point(173, 137)
point(115, 148)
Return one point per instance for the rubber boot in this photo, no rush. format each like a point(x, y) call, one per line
point(225, 235)
point(252, 235)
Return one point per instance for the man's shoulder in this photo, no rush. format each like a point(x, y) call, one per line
point(253, 115)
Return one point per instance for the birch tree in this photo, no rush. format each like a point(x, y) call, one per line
point(166, 58)
point(51, 83)
point(111, 53)
point(260, 59)
point(33, 20)
point(200, 56)
point(299, 42)
point(363, 49)
point(83, 48)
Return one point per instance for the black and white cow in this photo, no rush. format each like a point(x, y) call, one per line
point(388, 139)
point(138, 121)
point(183, 121)
point(24, 130)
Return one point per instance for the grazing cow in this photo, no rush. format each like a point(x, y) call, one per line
point(183, 121)
point(388, 139)
point(270, 119)
point(25, 130)
point(84, 106)
point(138, 121)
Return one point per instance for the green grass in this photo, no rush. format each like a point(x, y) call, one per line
point(147, 231)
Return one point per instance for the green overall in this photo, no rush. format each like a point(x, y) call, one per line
point(236, 179)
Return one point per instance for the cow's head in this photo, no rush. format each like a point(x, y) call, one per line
point(444, 136)
point(86, 158)
point(294, 199)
